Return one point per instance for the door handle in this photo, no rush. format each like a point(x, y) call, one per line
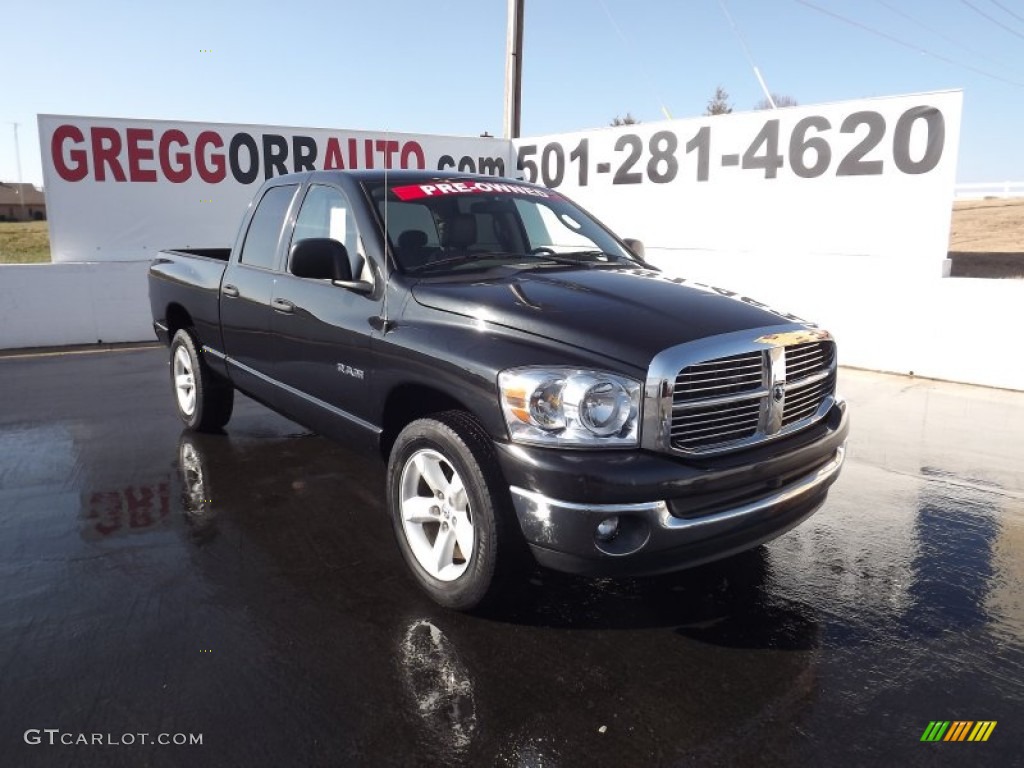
point(282, 305)
point(229, 290)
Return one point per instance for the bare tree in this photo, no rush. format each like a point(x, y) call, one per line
point(780, 99)
point(627, 120)
point(719, 104)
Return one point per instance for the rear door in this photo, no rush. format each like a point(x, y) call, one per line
point(248, 288)
point(322, 332)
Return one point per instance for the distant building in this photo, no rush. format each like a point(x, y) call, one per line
point(21, 202)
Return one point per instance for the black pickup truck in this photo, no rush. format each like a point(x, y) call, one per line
point(534, 385)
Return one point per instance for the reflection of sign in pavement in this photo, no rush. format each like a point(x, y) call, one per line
point(131, 510)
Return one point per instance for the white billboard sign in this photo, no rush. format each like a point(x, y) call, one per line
point(872, 177)
point(867, 178)
point(121, 189)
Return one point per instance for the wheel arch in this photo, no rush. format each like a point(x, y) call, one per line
point(410, 401)
point(177, 317)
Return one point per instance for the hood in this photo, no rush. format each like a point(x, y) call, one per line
point(626, 314)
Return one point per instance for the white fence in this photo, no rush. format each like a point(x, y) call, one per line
point(985, 189)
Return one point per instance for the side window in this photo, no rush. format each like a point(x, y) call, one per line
point(260, 246)
point(326, 213)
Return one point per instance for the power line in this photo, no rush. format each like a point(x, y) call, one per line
point(911, 46)
point(746, 52)
point(993, 19)
point(643, 71)
point(936, 32)
point(1003, 7)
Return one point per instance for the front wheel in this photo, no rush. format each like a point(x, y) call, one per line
point(450, 509)
point(204, 401)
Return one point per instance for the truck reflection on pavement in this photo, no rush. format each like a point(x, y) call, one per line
point(526, 681)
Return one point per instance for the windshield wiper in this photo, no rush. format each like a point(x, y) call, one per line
point(463, 258)
point(557, 258)
point(570, 258)
point(577, 256)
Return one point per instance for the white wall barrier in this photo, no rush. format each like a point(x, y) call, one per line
point(884, 319)
point(47, 305)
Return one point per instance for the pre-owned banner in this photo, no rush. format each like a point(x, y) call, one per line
point(119, 189)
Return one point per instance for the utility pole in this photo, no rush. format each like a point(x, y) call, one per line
point(514, 69)
point(17, 157)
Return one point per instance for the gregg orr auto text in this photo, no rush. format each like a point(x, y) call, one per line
point(105, 153)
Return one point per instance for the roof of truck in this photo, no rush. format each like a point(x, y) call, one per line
point(397, 175)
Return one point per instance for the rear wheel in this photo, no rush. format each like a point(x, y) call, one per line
point(450, 509)
point(203, 399)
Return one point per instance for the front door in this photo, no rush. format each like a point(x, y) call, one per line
point(321, 331)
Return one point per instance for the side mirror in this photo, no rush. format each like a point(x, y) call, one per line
point(636, 247)
point(320, 258)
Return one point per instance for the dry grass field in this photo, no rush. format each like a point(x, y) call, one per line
point(24, 242)
point(986, 238)
point(994, 226)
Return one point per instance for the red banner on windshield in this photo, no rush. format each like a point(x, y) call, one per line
point(441, 189)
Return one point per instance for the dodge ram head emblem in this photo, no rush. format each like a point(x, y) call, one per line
point(779, 392)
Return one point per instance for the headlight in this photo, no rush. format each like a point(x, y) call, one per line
point(570, 407)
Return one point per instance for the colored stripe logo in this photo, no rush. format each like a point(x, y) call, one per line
point(958, 730)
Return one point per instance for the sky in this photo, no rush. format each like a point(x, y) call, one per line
point(438, 66)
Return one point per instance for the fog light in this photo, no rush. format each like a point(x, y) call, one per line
point(608, 528)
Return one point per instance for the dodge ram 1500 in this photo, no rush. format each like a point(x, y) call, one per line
point(534, 385)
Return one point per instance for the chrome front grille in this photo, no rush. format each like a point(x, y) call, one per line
point(810, 378)
point(725, 376)
point(803, 360)
point(733, 385)
point(710, 425)
point(730, 402)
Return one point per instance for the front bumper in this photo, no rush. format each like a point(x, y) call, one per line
point(672, 513)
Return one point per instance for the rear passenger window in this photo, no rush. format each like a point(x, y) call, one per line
point(260, 246)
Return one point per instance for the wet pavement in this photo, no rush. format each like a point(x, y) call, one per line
point(246, 587)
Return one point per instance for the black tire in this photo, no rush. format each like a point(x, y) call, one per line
point(461, 442)
point(212, 398)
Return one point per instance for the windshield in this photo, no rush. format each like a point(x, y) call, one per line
point(453, 226)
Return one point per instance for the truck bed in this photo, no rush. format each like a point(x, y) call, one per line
point(189, 279)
